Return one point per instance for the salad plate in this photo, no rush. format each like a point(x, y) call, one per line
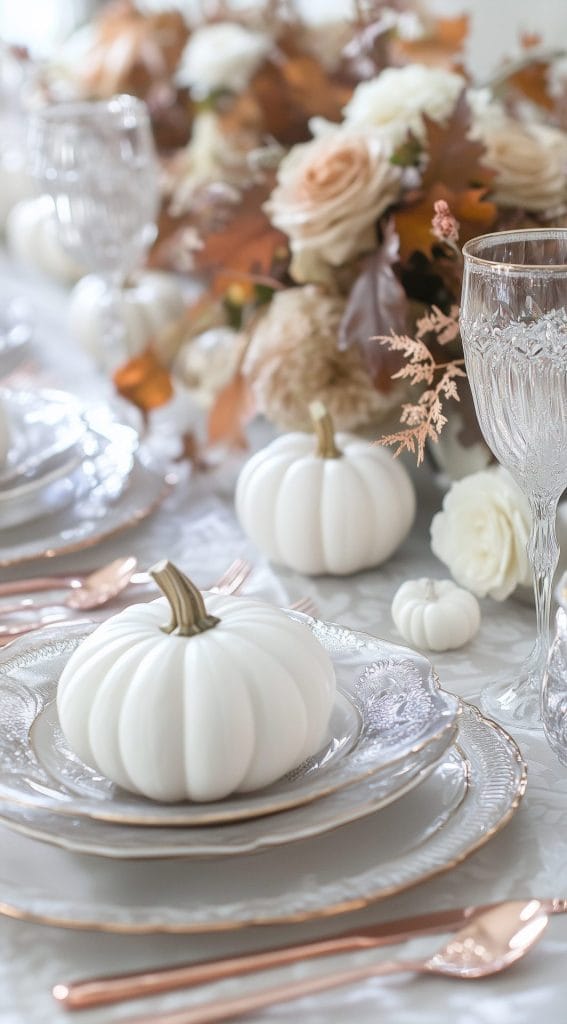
point(390, 716)
point(468, 798)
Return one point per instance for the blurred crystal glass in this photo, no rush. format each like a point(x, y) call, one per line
point(514, 331)
point(98, 163)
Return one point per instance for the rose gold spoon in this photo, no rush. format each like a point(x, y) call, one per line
point(492, 941)
point(87, 592)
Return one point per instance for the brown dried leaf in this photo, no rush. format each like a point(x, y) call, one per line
point(442, 46)
point(244, 241)
point(377, 304)
point(475, 214)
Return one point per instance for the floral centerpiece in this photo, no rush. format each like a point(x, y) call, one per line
point(320, 185)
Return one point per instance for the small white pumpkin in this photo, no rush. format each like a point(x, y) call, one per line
point(227, 698)
point(335, 507)
point(31, 235)
point(435, 614)
point(150, 302)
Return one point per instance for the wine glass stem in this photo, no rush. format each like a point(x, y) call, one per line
point(114, 342)
point(543, 551)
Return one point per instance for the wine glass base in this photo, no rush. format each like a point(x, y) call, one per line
point(514, 705)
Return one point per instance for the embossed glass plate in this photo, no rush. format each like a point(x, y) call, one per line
point(125, 496)
point(431, 829)
point(403, 713)
point(43, 425)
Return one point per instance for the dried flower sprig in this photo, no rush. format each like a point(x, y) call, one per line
point(425, 419)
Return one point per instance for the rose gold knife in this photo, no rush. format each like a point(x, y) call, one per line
point(90, 992)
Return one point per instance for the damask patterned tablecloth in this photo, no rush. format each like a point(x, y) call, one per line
point(529, 857)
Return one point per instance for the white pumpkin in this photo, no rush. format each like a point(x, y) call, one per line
point(336, 506)
point(150, 302)
point(225, 699)
point(435, 614)
point(31, 235)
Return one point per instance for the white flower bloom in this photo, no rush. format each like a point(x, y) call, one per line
point(530, 159)
point(482, 533)
point(395, 101)
point(329, 194)
point(221, 56)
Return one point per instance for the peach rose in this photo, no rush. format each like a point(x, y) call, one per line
point(328, 196)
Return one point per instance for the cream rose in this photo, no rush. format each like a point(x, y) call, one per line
point(530, 161)
point(221, 56)
point(329, 193)
point(395, 101)
point(482, 533)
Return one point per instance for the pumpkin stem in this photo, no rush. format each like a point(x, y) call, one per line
point(430, 591)
point(325, 431)
point(188, 613)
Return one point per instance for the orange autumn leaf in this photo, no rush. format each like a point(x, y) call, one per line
point(532, 82)
point(230, 412)
point(442, 45)
point(473, 211)
point(144, 382)
point(245, 242)
point(454, 172)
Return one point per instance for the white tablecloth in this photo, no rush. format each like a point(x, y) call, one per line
point(196, 526)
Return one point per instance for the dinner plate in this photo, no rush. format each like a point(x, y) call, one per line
point(44, 424)
point(87, 466)
point(397, 710)
point(109, 839)
point(467, 799)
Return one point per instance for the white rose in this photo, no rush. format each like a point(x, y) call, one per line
point(221, 56)
point(482, 533)
point(329, 194)
point(397, 98)
point(530, 160)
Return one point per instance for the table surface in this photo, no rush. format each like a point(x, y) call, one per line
point(196, 525)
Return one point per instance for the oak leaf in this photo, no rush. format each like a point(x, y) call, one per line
point(144, 381)
point(474, 212)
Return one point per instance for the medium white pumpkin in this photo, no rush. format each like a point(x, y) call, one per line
point(31, 235)
point(435, 614)
point(335, 507)
point(150, 302)
point(225, 699)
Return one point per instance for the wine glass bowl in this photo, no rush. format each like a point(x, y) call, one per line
point(514, 330)
point(97, 161)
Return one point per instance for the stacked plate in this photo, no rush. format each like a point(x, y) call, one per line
point(408, 782)
point(66, 471)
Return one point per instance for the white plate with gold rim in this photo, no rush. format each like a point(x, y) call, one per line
point(390, 713)
point(467, 799)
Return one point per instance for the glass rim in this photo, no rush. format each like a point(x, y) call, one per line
point(517, 234)
point(76, 109)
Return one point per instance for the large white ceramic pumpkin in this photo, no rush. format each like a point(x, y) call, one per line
point(31, 235)
point(226, 698)
point(334, 506)
point(149, 303)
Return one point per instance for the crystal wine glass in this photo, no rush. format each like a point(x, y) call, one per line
point(97, 161)
point(514, 331)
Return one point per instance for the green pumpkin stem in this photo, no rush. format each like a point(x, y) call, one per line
point(324, 431)
point(188, 613)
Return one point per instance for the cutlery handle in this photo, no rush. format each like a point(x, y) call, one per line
point(79, 995)
point(226, 1009)
point(13, 587)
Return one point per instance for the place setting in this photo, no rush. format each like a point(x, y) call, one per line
point(283, 487)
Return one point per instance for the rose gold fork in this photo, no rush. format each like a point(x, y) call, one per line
point(231, 582)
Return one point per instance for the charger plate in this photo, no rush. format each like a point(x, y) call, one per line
point(392, 718)
point(469, 797)
point(43, 425)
